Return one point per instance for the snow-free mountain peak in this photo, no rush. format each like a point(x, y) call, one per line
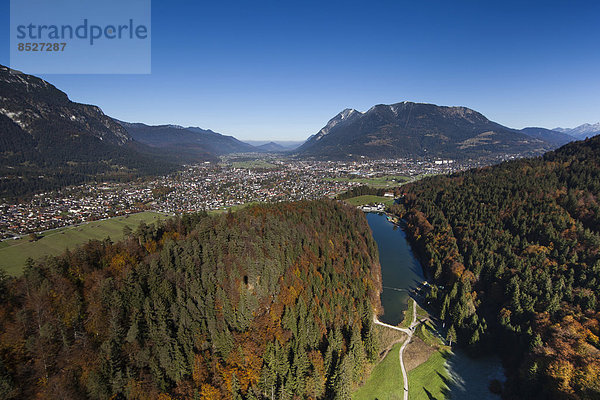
point(343, 117)
point(408, 129)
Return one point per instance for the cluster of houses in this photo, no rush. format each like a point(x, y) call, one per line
point(373, 208)
point(205, 186)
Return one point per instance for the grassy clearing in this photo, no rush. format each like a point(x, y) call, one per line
point(421, 313)
point(428, 380)
point(429, 335)
point(369, 199)
point(427, 374)
point(14, 253)
point(385, 381)
point(388, 338)
point(378, 182)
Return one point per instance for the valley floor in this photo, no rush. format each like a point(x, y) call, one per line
point(14, 253)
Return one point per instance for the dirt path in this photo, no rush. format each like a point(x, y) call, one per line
point(409, 332)
point(378, 322)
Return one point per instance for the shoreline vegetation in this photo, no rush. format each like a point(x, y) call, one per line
point(512, 254)
point(429, 359)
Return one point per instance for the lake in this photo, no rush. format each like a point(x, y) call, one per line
point(401, 272)
point(400, 269)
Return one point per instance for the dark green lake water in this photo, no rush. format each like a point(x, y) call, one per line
point(401, 271)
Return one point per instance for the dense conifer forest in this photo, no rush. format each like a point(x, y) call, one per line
point(514, 252)
point(274, 301)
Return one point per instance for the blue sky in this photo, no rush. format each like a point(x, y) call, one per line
point(280, 70)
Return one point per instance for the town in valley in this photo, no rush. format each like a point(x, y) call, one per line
point(236, 180)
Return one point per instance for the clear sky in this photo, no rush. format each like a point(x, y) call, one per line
point(281, 69)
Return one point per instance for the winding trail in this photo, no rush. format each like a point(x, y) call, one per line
point(409, 332)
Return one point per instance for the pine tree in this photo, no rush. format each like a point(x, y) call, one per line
point(451, 335)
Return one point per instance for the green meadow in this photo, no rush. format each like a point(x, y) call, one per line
point(14, 253)
point(385, 381)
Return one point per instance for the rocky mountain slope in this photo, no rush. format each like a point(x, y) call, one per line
point(48, 141)
point(417, 130)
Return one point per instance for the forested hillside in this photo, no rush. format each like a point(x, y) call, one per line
point(515, 252)
point(275, 301)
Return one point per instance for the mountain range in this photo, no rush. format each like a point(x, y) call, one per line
point(553, 137)
point(275, 146)
point(581, 131)
point(48, 141)
point(185, 144)
point(196, 144)
point(423, 130)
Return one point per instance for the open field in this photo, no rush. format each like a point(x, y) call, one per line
point(416, 353)
point(387, 339)
point(369, 199)
point(426, 332)
point(385, 381)
point(379, 182)
point(428, 380)
point(14, 253)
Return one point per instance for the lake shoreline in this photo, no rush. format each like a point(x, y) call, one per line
point(402, 274)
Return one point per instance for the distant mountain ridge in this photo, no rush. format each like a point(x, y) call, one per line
point(343, 118)
point(551, 136)
point(581, 131)
point(187, 144)
point(47, 141)
point(271, 147)
point(276, 145)
point(417, 129)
